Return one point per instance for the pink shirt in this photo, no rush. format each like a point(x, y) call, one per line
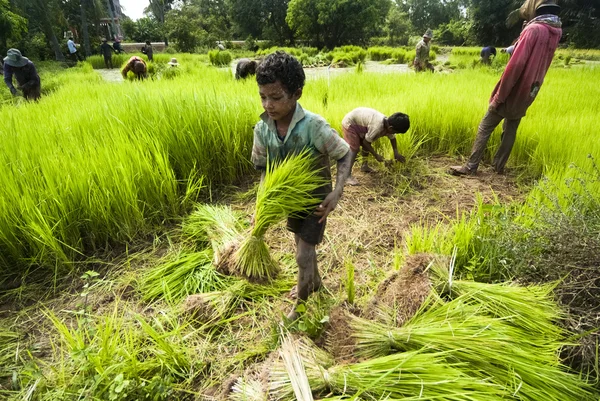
point(525, 72)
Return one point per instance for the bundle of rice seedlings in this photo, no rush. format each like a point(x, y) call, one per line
point(418, 374)
point(531, 308)
point(215, 306)
point(248, 390)
point(296, 372)
point(523, 363)
point(189, 273)
point(287, 190)
point(214, 225)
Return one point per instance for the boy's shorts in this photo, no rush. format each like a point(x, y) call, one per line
point(308, 228)
point(352, 136)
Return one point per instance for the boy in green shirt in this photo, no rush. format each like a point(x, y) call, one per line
point(286, 128)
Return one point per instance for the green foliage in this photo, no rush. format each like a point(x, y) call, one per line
point(12, 25)
point(327, 23)
point(396, 55)
point(115, 357)
point(144, 29)
point(220, 58)
point(350, 290)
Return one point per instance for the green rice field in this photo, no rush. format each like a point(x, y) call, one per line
point(116, 200)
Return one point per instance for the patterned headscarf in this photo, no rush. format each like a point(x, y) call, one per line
point(527, 11)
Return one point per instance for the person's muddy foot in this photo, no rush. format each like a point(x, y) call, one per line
point(365, 168)
point(461, 170)
point(293, 315)
point(294, 291)
point(352, 181)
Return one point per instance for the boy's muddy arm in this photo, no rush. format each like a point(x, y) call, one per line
point(344, 167)
point(262, 178)
point(397, 155)
point(369, 148)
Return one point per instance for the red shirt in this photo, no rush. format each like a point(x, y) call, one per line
point(525, 72)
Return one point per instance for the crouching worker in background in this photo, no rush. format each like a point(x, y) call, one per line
point(286, 129)
point(137, 66)
point(363, 126)
point(24, 71)
point(244, 68)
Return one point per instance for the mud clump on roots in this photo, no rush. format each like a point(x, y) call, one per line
point(337, 338)
point(403, 292)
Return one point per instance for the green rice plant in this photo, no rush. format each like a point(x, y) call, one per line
point(420, 374)
point(116, 358)
point(10, 345)
point(531, 308)
point(220, 58)
point(97, 62)
point(217, 226)
point(217, 306)
point(350, 290)
point(524, 363)
point(187, 274)
point(287, 189)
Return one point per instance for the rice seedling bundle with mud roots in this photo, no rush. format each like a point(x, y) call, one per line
point(287, 189)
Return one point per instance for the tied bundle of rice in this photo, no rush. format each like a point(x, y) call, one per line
point(410, 375)
point(189, 273)
point(531, 308)
point(523, 363)
point(215, 225)
point(287, 190)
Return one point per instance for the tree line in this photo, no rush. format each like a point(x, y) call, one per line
point(38, 27)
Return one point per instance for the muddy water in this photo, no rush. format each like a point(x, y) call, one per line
point(113, 75)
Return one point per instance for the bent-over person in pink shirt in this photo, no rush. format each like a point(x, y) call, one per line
point(518, 87)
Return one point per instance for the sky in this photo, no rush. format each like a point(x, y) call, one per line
point(134, 9)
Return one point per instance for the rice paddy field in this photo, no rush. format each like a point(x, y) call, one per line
point(120, 203)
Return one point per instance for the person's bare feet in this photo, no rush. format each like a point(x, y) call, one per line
point(352, 181)
point(461, 170)
point(316, 287)
point(365, 168)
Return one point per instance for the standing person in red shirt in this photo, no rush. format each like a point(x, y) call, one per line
point(519, 85)
point(137, 66)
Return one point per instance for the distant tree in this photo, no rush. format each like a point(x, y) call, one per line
point(185, 27)
point(48, 16)
point(159, 9)
point(398, 26)
point(248, 17)
point(426, 14)
point(332, 23)
point(12, 26)
point(489, 17)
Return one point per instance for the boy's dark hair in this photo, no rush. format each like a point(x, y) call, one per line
point(399, 122)
point(147, 42)
point(282, 67)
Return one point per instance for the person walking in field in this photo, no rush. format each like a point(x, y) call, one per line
point(107, 51)
point(73, 50)
point(421, 62)
point(519, 85)
point(148, 51)
point(117, 46)
point(363, 126)
point(286, 128)
point(137, 66)
point(487, 54)
point(25, 73)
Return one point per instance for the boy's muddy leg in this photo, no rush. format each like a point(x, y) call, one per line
point(309, 279)
point(351, 180)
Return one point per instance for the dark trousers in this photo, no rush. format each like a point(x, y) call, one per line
point(33, 93)
point(108, 62)
point(76, 56)
point(486, 127)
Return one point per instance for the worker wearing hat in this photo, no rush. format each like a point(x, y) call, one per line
point(421, 62)
point(25, 73)
point(519, 85)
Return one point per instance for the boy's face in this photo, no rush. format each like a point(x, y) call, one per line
point(276, 101)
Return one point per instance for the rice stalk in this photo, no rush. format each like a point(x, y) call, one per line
point(248, 390)
point(420, 374)
point(531, 308)
point(292, 361)
point(214, 225)
point(190, 273)
point(524, 363)
point(287, 189)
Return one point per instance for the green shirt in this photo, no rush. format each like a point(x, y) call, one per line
point(422, 52)
point(306, 131)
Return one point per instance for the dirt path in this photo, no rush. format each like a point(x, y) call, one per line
point(113, 75)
